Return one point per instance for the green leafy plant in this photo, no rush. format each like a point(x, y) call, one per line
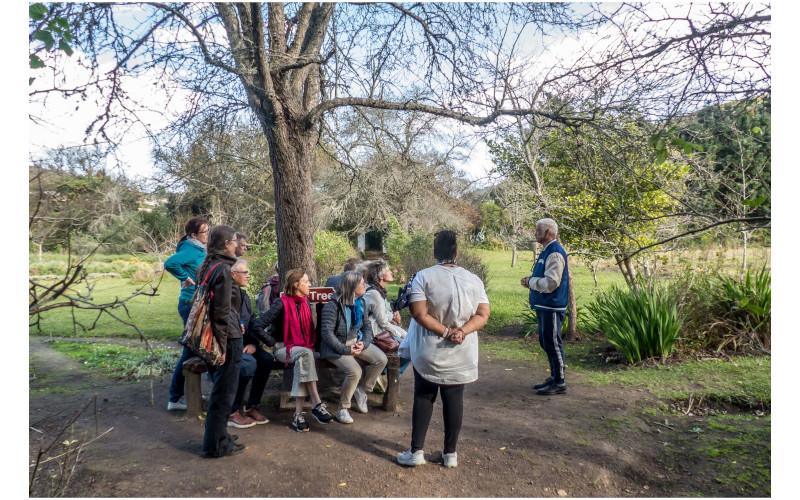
point(331, 249)
point(641, 323)
point(725, 312)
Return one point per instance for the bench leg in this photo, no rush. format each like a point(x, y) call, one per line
point(194, 399)
point(393, 382)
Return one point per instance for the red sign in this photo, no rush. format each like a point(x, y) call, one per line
point(320, 294)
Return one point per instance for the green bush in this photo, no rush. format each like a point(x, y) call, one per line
point(473, 263)
point(331, 250)
point(725, 313)
point(261, 257)
point(641, 323)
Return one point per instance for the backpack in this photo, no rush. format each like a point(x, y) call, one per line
point(198, 336)
point(402, 295)
point(263, 301)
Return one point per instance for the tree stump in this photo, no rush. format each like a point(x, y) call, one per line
point(193, 369)
point(393, 382)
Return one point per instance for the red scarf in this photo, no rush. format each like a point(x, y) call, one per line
point(297, 331)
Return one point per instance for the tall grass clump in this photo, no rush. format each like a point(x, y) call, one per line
point(641, 323)
point(726, 312)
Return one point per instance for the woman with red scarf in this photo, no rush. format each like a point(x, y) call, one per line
point(290, 317)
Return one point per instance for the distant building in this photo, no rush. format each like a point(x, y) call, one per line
point(371, 244)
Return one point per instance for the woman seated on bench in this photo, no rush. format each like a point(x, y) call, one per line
point(346, 340)
point(290, 317)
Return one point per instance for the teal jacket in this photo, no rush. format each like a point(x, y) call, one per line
point(184, 263)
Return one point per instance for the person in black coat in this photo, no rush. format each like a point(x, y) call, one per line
point(224, 306)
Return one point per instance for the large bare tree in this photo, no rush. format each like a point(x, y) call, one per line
point(294, 66)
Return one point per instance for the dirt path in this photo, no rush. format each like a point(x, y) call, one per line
point(590, 442)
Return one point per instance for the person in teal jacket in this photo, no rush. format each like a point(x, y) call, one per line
point(183, 264)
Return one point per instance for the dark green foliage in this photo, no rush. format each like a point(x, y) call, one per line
point(641, 323)
point(726, 313)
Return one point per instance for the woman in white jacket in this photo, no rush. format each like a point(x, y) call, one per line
point(379, 309)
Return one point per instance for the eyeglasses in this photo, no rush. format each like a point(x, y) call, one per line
point(242, 272)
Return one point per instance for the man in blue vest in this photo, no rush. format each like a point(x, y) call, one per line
point(549, 294)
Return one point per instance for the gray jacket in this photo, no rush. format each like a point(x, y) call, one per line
point(332, 344)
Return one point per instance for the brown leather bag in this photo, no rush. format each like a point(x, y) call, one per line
point(386, 342)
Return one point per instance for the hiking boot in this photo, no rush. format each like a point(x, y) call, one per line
point(240, 421)
point(299, 423)
point(411, 459)
point(256, 415)
point(553, 389)
point(321, 414)
point(343, 416)
point(450, 460)
point(360, 398)
point(179, 405)
point(543, 384)
point(235, 449)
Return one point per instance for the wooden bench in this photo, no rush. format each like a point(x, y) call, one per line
point(193, 369)
point(388, 402)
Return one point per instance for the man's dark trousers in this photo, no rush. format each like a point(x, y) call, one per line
point(552, 343)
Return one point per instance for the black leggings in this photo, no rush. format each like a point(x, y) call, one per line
point(453, 412)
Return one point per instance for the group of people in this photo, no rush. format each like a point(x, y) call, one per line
point(448, 305)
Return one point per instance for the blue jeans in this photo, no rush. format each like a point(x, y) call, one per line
point(178, 380)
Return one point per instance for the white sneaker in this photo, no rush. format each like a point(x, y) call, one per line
point(450, 459)
point(411, 459)
point(179, 405)
point(343, 416)
point(360, 398)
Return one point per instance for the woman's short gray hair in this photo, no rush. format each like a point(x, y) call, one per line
point(347, 287)
point(549, 224)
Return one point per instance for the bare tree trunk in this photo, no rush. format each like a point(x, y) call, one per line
point(625, 268)
point(291, 156)
point(744, 252)
point(572, 332)
point(513, 255)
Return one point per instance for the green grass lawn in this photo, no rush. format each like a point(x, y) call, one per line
point(156, 316)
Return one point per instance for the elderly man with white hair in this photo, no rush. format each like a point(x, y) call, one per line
point(549, 295)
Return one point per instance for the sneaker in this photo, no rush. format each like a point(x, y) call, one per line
point(343, 416)
point(360, 398)
point(553, 389)
point(321, 414)
point(299, 423)
point(240, 421)
point(179, 405)
point(410, 459)
point(256, 415)
point(450, 460)
point(543, 384)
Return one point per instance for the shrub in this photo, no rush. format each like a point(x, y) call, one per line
point(417, 254)
point(641, 323)
point(473, 263)
point(331, 250)
point(725, 313)
point(261, 257)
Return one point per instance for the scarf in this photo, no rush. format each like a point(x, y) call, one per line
point(297, 331)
